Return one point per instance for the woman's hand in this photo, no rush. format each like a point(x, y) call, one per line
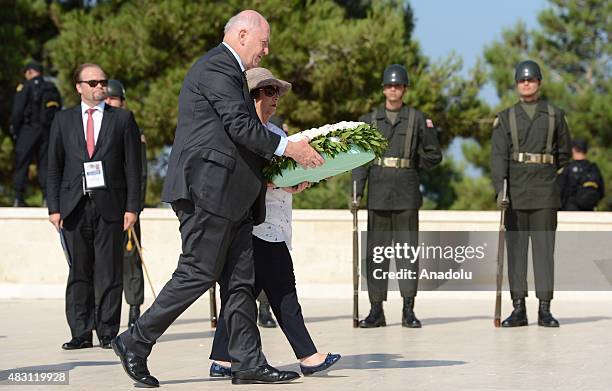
point(297, 189)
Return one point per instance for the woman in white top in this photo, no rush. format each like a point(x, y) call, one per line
point(271, 245)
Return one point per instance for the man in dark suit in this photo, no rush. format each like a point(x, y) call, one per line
point(93, 196)
point(216, 188)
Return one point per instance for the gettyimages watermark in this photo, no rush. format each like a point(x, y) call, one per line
point(467, 260)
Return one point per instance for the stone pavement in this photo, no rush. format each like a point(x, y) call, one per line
point(457, 349)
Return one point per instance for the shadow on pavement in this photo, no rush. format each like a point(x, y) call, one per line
point(586, 319)
point(227, 380)
point(387, 361)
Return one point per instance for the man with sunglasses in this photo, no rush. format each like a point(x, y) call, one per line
point(216, 187)
point(530, 142)
point(93, 197)
point(394, 195)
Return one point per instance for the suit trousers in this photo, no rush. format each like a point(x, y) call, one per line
point(274, 276)
point(213, 249)
point(540, 226)
point(31, 143)
point(133, 281)
point(93, 292)
point(385, 228)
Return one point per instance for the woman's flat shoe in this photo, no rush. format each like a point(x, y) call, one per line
point(217, 370)
point(330, 360)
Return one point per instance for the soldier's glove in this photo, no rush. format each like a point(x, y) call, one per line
point(354, 206)
point(502, 203)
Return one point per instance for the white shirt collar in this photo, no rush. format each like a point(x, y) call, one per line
point(99, 106)
point(235, 55)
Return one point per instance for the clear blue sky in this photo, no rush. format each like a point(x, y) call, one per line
point(466, 26)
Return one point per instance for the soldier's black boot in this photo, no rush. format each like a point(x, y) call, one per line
point(265, 319)
point(376, 317)
point(409, 319)
point(545, 318)
point(134, 315)
point(18, 202)
point(518, 317)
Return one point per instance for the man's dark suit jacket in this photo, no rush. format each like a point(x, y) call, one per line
point(220, 146)
point(118, 146)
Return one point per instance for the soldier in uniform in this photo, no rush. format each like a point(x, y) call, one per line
point(133, 281)
point(581, 183)
point(394, 195)
point(530, 142)
point(34, 106)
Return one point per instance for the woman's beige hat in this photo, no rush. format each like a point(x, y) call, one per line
point(261, 77)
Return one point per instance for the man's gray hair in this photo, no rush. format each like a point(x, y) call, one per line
point(244, 19)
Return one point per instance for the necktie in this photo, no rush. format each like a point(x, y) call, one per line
point(90, 132)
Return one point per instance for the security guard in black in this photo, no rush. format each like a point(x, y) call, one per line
point(35, 103)
point(581, 182)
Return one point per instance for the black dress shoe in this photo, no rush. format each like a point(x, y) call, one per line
point(77, 343)
point(409, 319)
point(376, 317)
point(518, 317)
point(134, 366)
point(217, 370)
point(19, 203)
point(545, 318)
point(134, 315)
point(105, 342)
point(264, 374)
point(330, 360)
point(264, 318)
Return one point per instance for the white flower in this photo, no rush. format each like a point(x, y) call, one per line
point(327, 128)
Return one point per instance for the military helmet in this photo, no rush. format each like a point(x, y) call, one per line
point(527, 70)
point(115, 89)
point(395, 74)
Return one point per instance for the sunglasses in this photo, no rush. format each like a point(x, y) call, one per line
point(528, 80)
point(93, 83)
point(270, 91)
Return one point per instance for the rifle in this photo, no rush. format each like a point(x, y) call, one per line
point(354, 211)
point(501, 244)
point(132, 234)
point(213, 306)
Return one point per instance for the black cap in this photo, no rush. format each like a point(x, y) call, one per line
point(33, 65)
point(580, 145)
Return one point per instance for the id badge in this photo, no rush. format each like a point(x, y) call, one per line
point(94, 175)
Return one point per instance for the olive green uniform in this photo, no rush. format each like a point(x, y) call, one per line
point(133, 281)
point(394, 195)
point(543, 142)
